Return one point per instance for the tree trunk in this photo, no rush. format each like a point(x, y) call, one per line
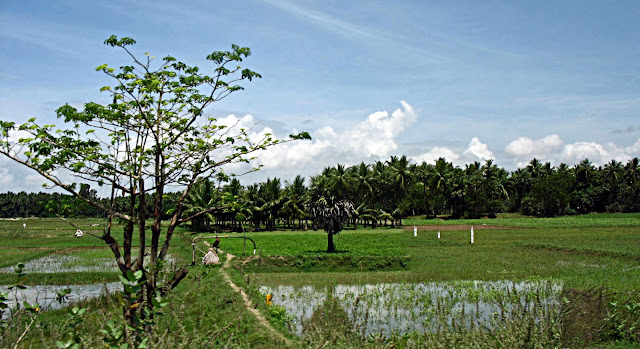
point(331, 247)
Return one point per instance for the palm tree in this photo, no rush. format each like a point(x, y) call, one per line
point(631, 192)
point(534, 168)
point(363, 182)
point(401, 175)
point(422, 174)
point(202, 197)
point(383, 184)
point(295, 195)
point(439, 182)
point(332, 215)
point(340, 182)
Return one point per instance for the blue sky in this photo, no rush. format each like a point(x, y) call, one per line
point(470, 80)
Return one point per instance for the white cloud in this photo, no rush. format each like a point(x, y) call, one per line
point(551, 148)
point(16, 135)
point(372, 139)
point(527, 147)
point(436, 153)
point(478, 150)
point(6, 177)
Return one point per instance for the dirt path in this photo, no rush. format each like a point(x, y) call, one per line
point(250, 305)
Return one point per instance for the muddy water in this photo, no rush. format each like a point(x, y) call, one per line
point(423, 307)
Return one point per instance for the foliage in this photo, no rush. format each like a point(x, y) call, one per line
point(279, 313)
point(154, 134)
point(623, 320)
point(331, 214)
point(583, 251)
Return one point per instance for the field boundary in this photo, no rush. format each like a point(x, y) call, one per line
point(450, 227)
point(249, 305)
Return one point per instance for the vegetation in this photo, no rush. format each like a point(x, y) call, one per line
point(386, 192)
point(592, 258)
point(153, 135)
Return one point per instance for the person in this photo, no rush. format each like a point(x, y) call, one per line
point(210, 258)
point(216, 244)
point(24, 225)
point(78, 233)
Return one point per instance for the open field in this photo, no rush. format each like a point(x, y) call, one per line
point(580, 253)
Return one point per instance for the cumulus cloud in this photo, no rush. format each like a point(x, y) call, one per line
point(551, 148)
point(373, 138)
point(5, 177)
point(437, 152)
point(478, 150)
point(527, 147)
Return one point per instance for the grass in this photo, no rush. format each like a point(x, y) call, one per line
point(583, 257)
point(582, 252)
point(510, 220)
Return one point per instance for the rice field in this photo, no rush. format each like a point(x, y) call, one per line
point(517, 282)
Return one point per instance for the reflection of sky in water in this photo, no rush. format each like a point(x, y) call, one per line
point(420, 307)
point(63, 263)
point(45, 295)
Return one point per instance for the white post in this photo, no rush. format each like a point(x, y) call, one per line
point(438, 234)
point(415, 231)
point(472, 234)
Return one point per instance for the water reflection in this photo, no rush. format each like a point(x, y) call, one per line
point(65, 263)
point(57, 263)
point(423, 307)
point(45, 295)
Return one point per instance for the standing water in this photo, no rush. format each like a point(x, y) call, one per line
point(423, 307)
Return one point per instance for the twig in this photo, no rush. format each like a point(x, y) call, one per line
point(25, 332)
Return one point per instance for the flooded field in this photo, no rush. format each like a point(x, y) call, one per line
point(424, 307)
point(62, 263)
point(65, 263)
point(45, 295)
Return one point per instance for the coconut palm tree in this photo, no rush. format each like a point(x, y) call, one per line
point(441, 176)
point(363, 182)
point(201, 198)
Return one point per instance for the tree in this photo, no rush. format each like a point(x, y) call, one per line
point(202, 197)
point(152, 135)
point(332, 215)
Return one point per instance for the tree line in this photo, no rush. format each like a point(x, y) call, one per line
point(383, 192)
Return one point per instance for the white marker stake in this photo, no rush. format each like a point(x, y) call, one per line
point(415, 231)
point(438, 234)
point(472, 234)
